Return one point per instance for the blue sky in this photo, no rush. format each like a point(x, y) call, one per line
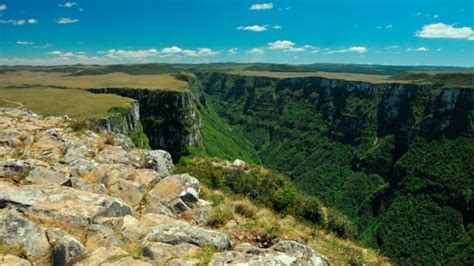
point(415, 32)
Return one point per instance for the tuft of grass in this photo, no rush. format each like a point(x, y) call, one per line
point(205, 254)
point(16, 250)
point(244, 208)
point(220, 216)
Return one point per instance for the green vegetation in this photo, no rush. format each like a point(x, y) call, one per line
point(205, 254)
point(15, 250)
point(395, 160)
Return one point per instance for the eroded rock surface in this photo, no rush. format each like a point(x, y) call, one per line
point(83, 198)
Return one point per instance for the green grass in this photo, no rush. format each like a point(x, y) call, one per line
point(72, 102)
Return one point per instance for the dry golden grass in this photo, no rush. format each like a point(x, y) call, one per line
point(267, 224)
point(111, 80)
point(50, 101)
point(331, 75)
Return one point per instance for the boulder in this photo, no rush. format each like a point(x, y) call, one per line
point(17, 230)
point(101, 236)
point(127, 261)
point(146, 176)
point(63, 204)
point(16, 169)
point(101, 255)
point(179, 232)
point(160, 253)
point(128, 191)
point(66, 248)
point(44, 176)
point(179, 192)
point(10, 260)
point(184, 262)
point(283, 253)
point(130, 227)
point(116, 155)
point(159, 161)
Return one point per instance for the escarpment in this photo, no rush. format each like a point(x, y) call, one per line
point(169, 118)
point(371, 150)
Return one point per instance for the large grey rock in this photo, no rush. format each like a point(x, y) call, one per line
point(100, 256)
point(179, 192)
point(174, 232)
point(160, 253)
point(66, 248)
point(63, 204)
point(283, 253)
point(159, 161)
point(17, 230)
point(44, 176)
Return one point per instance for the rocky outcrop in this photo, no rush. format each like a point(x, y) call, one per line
point(81, 200)
point(169, 118)
point(123, 119)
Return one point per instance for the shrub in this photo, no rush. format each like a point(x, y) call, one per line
point(205, 254)
point(220, 216)
point(245, 209)
point(312, 210)
point(285, 199)
point(81, 124)
point(340, 224)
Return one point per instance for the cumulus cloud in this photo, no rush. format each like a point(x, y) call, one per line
point(441, 30)
point(3, 7)
point(288, 46)
point(232, 51)
point(419, 49)
point(281, 44)
point(392, 47)
point(171, 50)
point(175, 50)
point(24, 43)
point(131, 54)
point(261, 6)
point(277, 27)
point(254, 51)
point(200, 52)
point(19, 22)
point(68, 4)
point(66, 20)
point(254, 28)
point(353, 49)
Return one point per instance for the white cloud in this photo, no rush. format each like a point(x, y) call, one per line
point(392, 47)
point(3, 7)
point(24, 43)
point(389, 26)
point(232, 51)
point(262, 6)
point(419, 49)
point(441, 30)
point(19, 22)
point(353, 49)
point(417, 14)
point(80, 59)
point(32, 21)
point(46, 45)
point(66, 20)
point(436, 16)
point(68, 4)
point(295, 49)
point(175, 50)
point(281, 44)
point(254, 51)
point(200, 52)
point(277, 27)
point(171, 50)
point(131, 54)
point(254, 28)
point(439, 49)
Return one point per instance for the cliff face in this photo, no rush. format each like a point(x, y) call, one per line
point(169, 118)
point(123, 120)
point(370, 150)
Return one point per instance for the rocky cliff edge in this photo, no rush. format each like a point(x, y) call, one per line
point(83, 198)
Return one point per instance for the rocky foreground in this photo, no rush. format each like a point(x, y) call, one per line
point(79, 197)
